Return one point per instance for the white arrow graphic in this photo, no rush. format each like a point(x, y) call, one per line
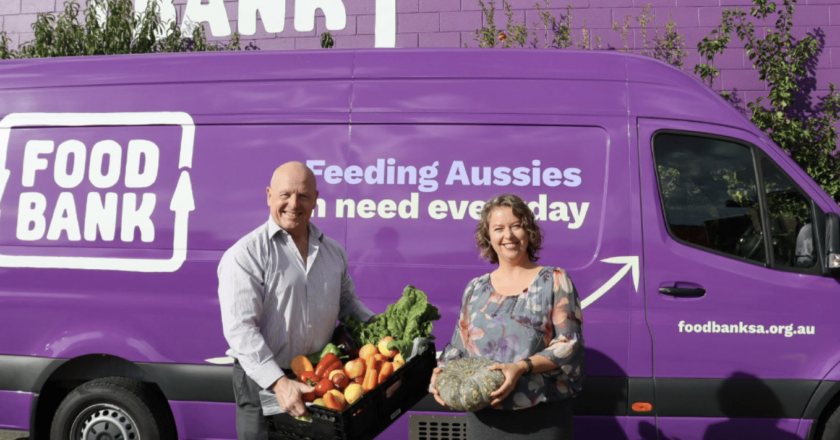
point(5, 133)
point(4, 178)
point(629, 263)
point(220, 360)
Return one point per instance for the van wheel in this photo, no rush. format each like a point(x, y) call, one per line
point(831, 429)
point(113, 408)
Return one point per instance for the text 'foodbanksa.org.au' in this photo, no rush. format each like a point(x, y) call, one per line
point(787, 330)
point(428, 179)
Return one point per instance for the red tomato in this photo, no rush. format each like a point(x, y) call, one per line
point(323, 386)
point(340, 380)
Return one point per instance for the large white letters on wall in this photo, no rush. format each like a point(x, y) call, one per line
point(334, 14)
point(213, 13)
point(273, 15)
point(385, 27)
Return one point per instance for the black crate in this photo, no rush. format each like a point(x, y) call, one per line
point(370, 415)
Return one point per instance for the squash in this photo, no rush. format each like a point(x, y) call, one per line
point(465, 384)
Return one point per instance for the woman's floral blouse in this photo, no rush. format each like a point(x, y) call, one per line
point(545, 319)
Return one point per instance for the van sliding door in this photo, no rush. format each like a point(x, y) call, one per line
point(413, 199)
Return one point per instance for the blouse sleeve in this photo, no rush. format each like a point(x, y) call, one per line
point(566, 346)
point(455, 348)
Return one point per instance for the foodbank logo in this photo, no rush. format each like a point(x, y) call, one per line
point(107, 191)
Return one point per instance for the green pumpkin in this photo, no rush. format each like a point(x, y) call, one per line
point(465, 384)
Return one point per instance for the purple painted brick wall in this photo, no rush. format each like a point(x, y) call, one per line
point(451, 23)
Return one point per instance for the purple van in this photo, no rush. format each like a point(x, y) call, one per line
point(706, 259)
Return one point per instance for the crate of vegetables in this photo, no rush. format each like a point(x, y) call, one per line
point(359, 398)
point(380, 391)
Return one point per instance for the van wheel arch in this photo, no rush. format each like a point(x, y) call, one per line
point(75, 372)
point(829, 428)
point(122, 407)
point(824, 410)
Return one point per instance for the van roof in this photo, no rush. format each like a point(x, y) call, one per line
point(651, 88)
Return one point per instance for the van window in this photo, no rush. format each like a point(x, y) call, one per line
point(790, 219)
point(709, 194)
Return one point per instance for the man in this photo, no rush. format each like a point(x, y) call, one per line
point(281, 289)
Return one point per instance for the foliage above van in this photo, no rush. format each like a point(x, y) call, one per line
point(109, 27)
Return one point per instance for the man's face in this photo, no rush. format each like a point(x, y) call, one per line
point(291, 199)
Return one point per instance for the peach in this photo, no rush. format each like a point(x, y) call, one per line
point(367, 351)
point(383, 347)
point(355, 368)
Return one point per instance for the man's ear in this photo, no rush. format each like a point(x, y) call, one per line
point(268, 195)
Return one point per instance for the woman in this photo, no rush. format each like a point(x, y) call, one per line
point(528, 318)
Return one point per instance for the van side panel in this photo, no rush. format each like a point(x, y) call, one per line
point(204, 420)
point(15, 409)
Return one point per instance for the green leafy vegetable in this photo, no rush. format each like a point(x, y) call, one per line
point(410, 317)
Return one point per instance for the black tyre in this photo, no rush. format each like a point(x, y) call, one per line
point(113, 408)
point(831, 429)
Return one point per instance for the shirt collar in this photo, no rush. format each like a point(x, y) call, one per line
point(274, 228)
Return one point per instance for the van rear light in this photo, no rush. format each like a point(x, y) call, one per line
point(642, 407)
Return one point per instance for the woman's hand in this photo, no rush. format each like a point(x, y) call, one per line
point(434, 390)
point(512, 374)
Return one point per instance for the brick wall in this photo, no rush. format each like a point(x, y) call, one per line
point(451, 23)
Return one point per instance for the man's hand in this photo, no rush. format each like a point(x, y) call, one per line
point(289, 396)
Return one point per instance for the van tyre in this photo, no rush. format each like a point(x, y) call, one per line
point(831, 429)
point(113, 408)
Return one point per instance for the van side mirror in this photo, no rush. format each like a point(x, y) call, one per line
point(832, 244)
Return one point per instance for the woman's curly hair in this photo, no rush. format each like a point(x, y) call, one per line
point(522, 212)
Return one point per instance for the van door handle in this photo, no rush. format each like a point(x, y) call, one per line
point(683, 292)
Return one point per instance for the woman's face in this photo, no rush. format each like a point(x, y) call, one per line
point(507, 236)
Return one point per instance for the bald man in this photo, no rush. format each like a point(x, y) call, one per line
point(281, 289)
